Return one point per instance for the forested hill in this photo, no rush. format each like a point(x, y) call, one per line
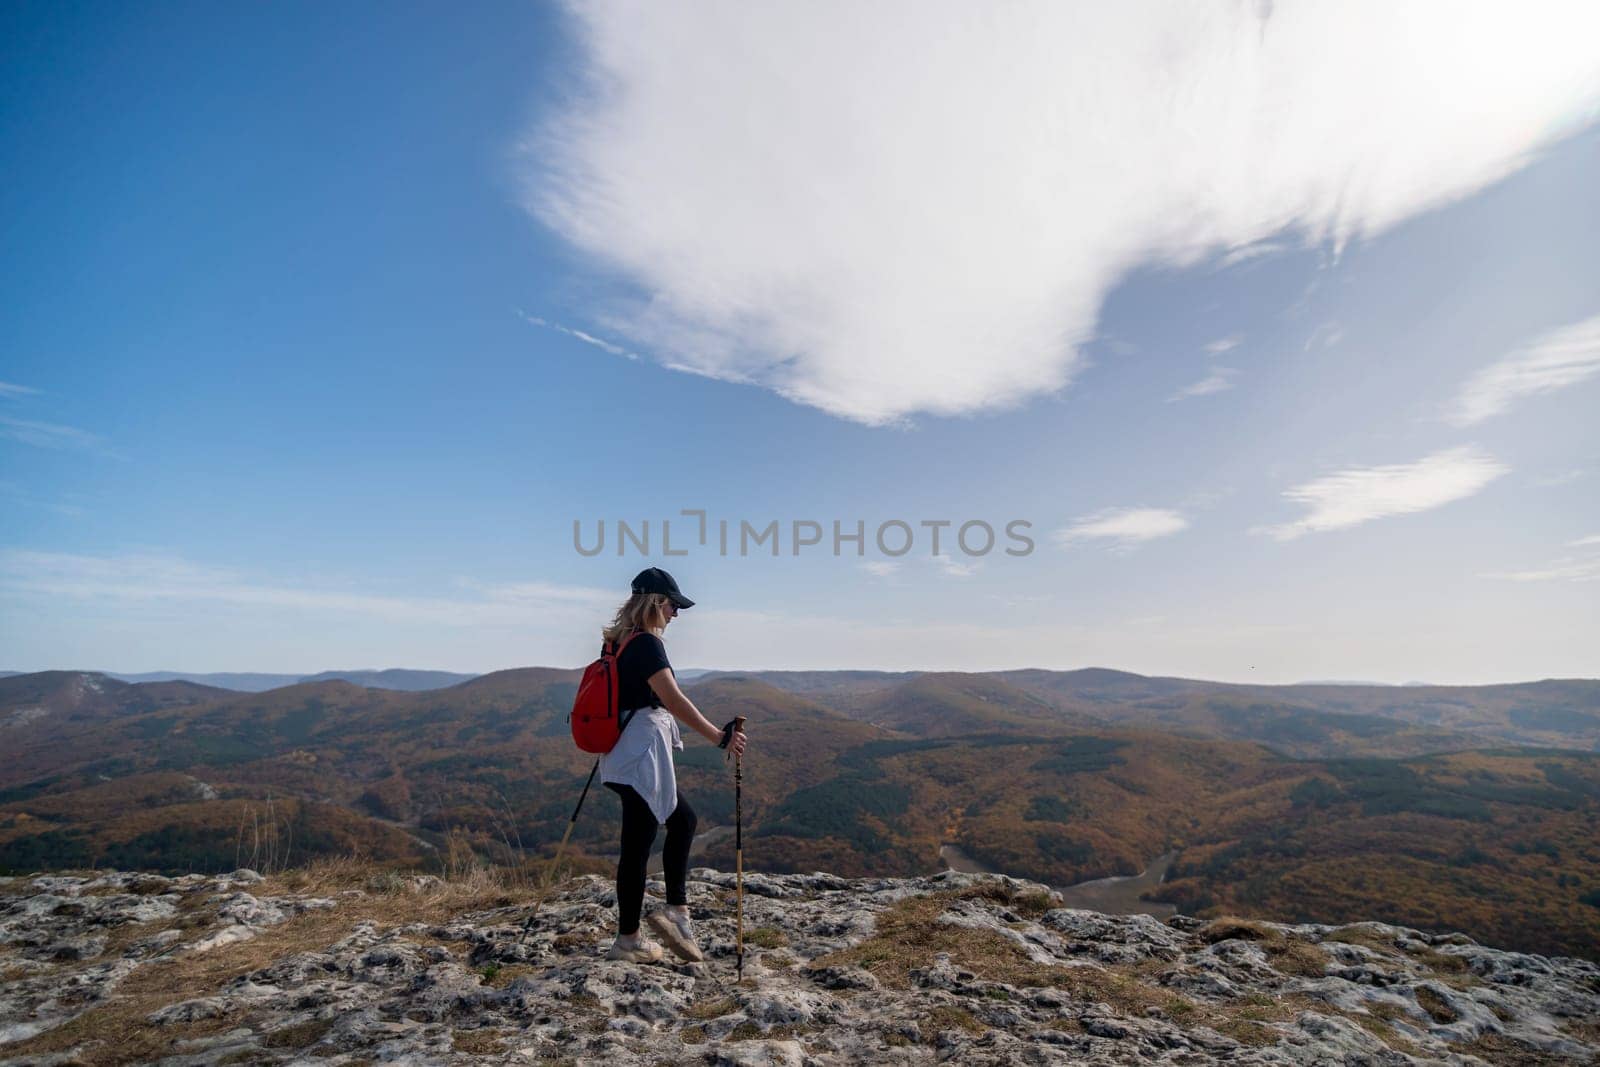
point(1274, 809)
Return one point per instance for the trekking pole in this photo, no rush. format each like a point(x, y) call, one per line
point(527, 924)
point(738, 841)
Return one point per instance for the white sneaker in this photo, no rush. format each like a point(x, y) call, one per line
point(678, 933)
point(641, 951)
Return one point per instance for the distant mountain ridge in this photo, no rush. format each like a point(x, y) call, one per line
point(404, 680)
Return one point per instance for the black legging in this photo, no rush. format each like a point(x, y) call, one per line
point(638, 834)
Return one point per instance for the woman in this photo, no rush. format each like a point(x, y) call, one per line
point(639, 769)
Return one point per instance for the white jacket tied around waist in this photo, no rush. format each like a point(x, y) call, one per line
point(643, 760)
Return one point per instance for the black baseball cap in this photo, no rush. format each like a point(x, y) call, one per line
point(656, 580)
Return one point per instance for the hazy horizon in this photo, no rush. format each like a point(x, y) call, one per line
point(690, 672)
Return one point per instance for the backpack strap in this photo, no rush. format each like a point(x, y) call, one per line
point(627, 713)
point(605, 646)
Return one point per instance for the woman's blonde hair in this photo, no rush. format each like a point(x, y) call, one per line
point(641, 611)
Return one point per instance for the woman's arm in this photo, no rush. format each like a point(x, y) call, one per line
point(665, 686)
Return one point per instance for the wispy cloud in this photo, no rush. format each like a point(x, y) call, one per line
point(1565, 569)
point(52, 435)
point(1223, 344)
point(586, 338)
point(18, 494)
point(1244, 254)
point(1578, 568)
point(1220, 379)
point(1324, 336)
point(898, 219)
point(142, 577)
point(1551, 361)
point(1553, 480)
point(12, 389)
point(1360, 494)
point(956, 568)
point(944, 563)
point(1122, 527)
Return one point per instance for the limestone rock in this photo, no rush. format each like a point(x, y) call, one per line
point(972, 978)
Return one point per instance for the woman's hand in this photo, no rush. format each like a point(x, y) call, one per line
point(733, 738)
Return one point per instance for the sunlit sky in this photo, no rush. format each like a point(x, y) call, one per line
point(1277, 325)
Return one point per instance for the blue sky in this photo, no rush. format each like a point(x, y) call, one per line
point(1287, 386)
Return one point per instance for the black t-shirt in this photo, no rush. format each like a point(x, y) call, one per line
point(644, 656)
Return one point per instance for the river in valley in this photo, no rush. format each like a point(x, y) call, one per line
point(1113, 896)
point(705, 837)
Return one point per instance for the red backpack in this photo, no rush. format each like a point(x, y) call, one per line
point(595, 726)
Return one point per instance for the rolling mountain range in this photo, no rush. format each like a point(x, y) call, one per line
point(1337, 802)
point(393, 678)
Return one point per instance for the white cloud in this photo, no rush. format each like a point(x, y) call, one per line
point(1124, 527)
point(1224, 344)
point(895, 208)
point(1246, 253)
point(12, 389)
point(163, 578)
point(50, 435)
point(1219, 379)
point(944, 562)
point(955, 569)
point(1566, 569)
point(1325, 336)
point(1551, 481)
point(1360, 494)
point(1552, 361)
point(586, 338)
point(18, 494)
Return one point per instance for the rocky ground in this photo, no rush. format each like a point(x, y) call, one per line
point(345, 966)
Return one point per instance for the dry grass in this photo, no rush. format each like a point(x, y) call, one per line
point(480, 1042)
point(1585, 1030)
point(1356, 935)
point(120, 938)
point(780, 1032)
point(1504, 1052)
point(501, 975)
point(136, 1041)
point(909, 934)
point(1287, 954)
point(1250, 1032)
point(766, 937)
point(1247, 1019)
point(568, 943)
point(1436, 1006)
point(949, 1017)
point(1031, 903)
point(1377, 1023)
point(1450, 969)
point(701, 1010)
point(299, 1035)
